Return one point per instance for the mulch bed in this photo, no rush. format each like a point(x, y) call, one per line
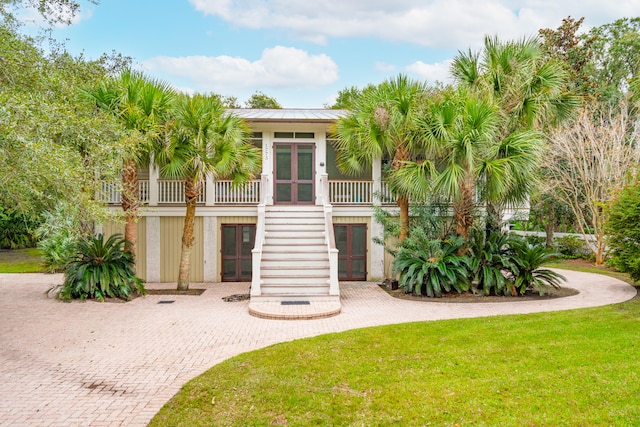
point(468, 297)
point(175, 292)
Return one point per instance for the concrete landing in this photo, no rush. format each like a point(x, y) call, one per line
point(294, 310)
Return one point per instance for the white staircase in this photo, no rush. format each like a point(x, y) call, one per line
point(295, 261)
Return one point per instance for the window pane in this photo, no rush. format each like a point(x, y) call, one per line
point(248, 238)
point(245, 269)
point(359, 242)
point(283, 192)
point(305, 162)
point(283, 162)
point(229, 269)
point(305, 192)
point(358, 269)
point(340, 232)
point(284, 135)
point(229, 240)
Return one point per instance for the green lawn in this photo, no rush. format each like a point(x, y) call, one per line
point(21, 261)
point(572, 368)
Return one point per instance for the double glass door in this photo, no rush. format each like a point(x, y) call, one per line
point(294, 173)
point(351, 242)
point(237, 242)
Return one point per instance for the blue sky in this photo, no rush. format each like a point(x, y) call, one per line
point(303, 52)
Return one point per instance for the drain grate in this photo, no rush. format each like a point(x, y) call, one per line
point(295, 303)
point(167, 301)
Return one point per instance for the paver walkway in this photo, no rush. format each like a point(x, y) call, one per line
point(115, 364)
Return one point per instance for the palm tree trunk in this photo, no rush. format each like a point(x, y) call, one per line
point(130, 205)
point(463, 209)
point(494, 217)
point(403, 204)
point(191, 193)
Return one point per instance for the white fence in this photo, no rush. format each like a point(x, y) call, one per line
point(246, 195)
point(350, 192)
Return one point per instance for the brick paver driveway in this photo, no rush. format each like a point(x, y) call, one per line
point(116, 364)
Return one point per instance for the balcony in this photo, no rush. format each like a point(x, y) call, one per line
point(222, 192)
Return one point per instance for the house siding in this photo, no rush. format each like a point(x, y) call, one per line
point(171, 246)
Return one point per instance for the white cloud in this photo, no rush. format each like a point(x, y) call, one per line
point(434, 23)
point(438, 72)
point(279, 67)
point(384, 67)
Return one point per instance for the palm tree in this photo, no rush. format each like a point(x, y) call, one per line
point(383, 124)
point(532, 94)
point(459, 129)
point(141, 105)
point(205, 140)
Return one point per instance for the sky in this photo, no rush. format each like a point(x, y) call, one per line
point(303, 52)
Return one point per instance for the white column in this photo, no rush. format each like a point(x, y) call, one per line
point(376, 176)
point(267, 166)
point(377, 230)
point(210, 246)
point(210, 192)
point(321, 164)
point(153, 248)
point(154, 175)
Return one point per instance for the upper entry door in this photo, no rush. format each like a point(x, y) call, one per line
point(294, 183)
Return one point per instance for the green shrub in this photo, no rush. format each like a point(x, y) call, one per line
point(490, 263)
point(17, 230)
point(525, 270)
point(431, 266)
point(570, 247)
point(101, 270)
point(58, 234)
point(534, 240)
point(623, 231)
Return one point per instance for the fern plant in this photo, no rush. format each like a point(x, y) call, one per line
point(101, 269)
point(526, 268)
point(491, 262)
point(431, 266)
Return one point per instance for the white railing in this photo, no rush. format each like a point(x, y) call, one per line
point(350, 192)
point(172, 191)
point(334, 285)
point(386, 195)
point(110, 192)
point(247, 195)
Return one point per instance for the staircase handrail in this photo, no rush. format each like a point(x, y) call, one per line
point(256, 252)
point(334, 286)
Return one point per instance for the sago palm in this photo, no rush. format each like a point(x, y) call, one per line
point(205, 140)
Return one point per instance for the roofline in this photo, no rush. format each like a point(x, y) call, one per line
point(288, 115)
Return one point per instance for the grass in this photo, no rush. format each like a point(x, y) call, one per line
point(571, 368)
point(21, 261)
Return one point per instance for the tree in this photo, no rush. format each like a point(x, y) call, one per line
point(53, 148)
point(383, 123)
point(347, 97)
point(260, 100)
point(140, 104)
point(616, 58)
point(532, 94)
point(459, 129)
point(574, 51)
point(205, 140)
point(587, 160)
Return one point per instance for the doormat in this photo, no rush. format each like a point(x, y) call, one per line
point(236, 297)
point(295, 303)
point(175, 292)
point(166, 301)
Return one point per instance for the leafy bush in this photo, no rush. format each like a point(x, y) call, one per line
point(17, 230)
point(525, 270)
point(571, 247)
point(534, 240)
point(58, 234)
point(101, 270)
point(490, 263)
point(431, 266)
point(623, 231)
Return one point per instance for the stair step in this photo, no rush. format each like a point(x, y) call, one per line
point(295, 256)
point(295, 242)
point(294, 221)
point(290, 248)
point(284, 291)
point(298, 234)
point(293, 281)
point(318, 273)
point(293, 264)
